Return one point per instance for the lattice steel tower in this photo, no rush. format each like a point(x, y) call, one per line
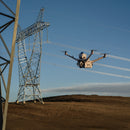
point(7, 17)
point(29, 46)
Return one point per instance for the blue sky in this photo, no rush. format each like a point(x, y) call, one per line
point(103, 25)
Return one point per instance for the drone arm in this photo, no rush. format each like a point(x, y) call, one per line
point(97, 59)
point(105, 55)
point(88, 57)
point(92, 51)
point(71, 56)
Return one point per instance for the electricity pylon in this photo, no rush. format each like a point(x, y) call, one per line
point(7, 62)
point(29, 60)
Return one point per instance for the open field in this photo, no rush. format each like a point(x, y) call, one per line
point(75, 112)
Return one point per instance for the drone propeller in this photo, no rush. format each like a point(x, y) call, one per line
point(103, 53)
point(93, 50)
point(65, 52)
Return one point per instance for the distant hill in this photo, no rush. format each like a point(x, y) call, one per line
point(86, 98)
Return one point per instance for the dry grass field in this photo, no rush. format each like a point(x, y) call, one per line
point(74, 112)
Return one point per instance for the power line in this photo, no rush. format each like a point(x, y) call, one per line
point(104, 65)
point(99, 64)
point(86, 70)
point(81, 49)
point(113, 67)
point(85, 50)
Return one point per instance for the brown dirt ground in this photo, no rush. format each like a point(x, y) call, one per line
point(74, 112)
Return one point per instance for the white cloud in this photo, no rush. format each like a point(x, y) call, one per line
point(119, 89)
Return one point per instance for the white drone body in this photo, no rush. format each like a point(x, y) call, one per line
point(83, 61)
point(82, 55)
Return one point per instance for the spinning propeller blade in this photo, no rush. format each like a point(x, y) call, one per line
point(103, 53)
point(65, 52)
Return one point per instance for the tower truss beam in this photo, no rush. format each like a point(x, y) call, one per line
point(33, 29)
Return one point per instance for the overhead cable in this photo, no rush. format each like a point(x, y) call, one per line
point(81, 49)
point(99, 64)
point(93, 71)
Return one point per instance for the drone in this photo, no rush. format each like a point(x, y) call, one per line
point(84, 61)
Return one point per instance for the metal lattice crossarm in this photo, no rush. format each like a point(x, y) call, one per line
point(33, 29)
point(4, 64)
point(4, 26)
